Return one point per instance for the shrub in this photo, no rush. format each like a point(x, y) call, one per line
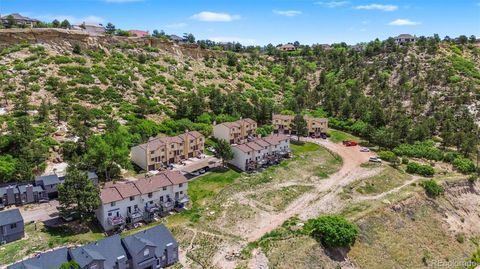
point(420, 169)
point(464, 165)
point(425, 149)
point(77, 49)
point(432, 188)
point(405, 161)
point(472, 178)
point(387, 155)
point(332, 231)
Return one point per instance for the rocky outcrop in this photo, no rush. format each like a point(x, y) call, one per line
point(59, 37)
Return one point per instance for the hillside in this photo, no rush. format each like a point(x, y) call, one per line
point(69, 84)
point(71, 97)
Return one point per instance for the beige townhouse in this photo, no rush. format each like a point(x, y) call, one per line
point(236, 132)
point(159, 152)
point(282, 124)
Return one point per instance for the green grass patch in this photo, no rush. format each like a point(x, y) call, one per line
point(210, 184)
point(306, 147)
point(337, 136)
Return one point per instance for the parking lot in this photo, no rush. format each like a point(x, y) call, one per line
point(39, 212)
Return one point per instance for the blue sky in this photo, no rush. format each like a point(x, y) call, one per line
point(268, 21)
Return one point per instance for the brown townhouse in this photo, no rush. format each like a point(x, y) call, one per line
point(282, 124)
point(160, 152)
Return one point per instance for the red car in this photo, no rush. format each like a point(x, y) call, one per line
point(349, 143)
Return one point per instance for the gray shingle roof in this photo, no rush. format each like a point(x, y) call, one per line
point(92, 175)
point(10, 216)
point(158, 236)
point(107, 250)
point(47, 260)
point(48, 180)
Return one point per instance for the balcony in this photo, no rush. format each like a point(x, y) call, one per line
point(116, 220)
point(152, 208)
point(136, 215)
point(182, 199)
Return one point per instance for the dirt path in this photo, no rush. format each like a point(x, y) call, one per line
point(383, 194)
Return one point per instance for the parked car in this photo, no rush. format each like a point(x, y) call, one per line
point(349, 143)
point(211, 149)
point(202, 171)
point(374, 160)
point(364, 149)
point(195, 173)
point(323, 136)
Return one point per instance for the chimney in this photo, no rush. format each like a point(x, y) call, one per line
point(186, 148)
point(29, 193)
point(170, 253)
point(121, 262)
point(11, 195)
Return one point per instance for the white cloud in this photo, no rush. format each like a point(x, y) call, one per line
point(378, 7)
point(71, 19)
point(333, 4)
point(403, 22)
point(243, 41)
point(214, 17)
point(287, 13)
point(122, 1)
point(176, 25)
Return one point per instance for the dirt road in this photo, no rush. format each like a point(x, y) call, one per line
point(323, 199)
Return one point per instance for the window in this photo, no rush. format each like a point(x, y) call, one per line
point(152, 152)
point(181, 192)
point(164, 188)
point(152, 159)
point(173, 146)
point(109, 214)
point(150, 195)
point(161, 198)
point(180, 185)
point(13, 226)
point(132, 198)
point(146, 252)
point(112, 204)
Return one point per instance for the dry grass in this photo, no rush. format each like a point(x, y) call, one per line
point(413, 237)
point(280, 198)
point(386, 180)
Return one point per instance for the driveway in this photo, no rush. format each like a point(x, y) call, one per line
point(39, 212)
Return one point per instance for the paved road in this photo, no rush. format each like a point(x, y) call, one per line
point(39, 212)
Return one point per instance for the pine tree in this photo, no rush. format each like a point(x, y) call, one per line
point(223, 151)
point(78, 194)
point(299, 125)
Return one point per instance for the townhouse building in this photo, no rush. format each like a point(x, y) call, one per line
point(11, 226)
point(236, 132)
point(151, 248)
point(130, 202)
point(158, 153)
point(21, 194)
point(282, 124)
point(261, 151)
